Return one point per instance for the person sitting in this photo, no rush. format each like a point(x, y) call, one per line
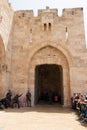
point(4, 103)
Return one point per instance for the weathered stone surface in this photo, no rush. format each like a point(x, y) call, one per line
point(29, 41)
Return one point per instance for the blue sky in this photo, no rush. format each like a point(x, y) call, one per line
point(41, 4)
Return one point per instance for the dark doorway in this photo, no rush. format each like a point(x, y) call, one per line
point(48, 84)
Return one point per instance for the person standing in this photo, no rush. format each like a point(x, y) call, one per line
point(16, 100)
point(28, 99)
point(8, 98)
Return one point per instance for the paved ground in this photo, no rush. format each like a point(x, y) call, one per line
point(43, 117)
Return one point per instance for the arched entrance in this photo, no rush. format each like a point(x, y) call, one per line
point(49, 84)
point(48, 56)
point(2, 67)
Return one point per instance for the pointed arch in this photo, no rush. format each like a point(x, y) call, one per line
point(60, 56)
point(55, 45)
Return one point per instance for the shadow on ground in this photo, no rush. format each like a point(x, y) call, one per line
point(41, 108)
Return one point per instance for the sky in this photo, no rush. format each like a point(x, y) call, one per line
point(59, 4)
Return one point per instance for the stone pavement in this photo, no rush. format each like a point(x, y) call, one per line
point(41, 117)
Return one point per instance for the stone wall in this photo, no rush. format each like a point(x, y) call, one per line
point(25, 36)
point(30, 34)
point(2, 68)
point(6, 18)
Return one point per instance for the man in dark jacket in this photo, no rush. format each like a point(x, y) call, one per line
point(8, 98)
point(16, 100)
point(28, 98)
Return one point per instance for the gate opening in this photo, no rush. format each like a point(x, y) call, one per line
point(49, 84)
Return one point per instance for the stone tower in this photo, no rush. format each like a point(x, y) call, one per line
point(43, 53)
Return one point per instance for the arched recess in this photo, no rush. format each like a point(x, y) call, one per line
point(50, 55)
point(2, 68)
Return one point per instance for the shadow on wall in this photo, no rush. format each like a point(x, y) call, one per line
point(3, 67)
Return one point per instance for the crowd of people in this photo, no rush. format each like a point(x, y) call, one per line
point(10, 101)
point(79, 102)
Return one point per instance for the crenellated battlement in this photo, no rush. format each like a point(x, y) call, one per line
point(49, 22)
point(47, 11)
point(72, 12)
point(24, 13)
point(67, 12)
